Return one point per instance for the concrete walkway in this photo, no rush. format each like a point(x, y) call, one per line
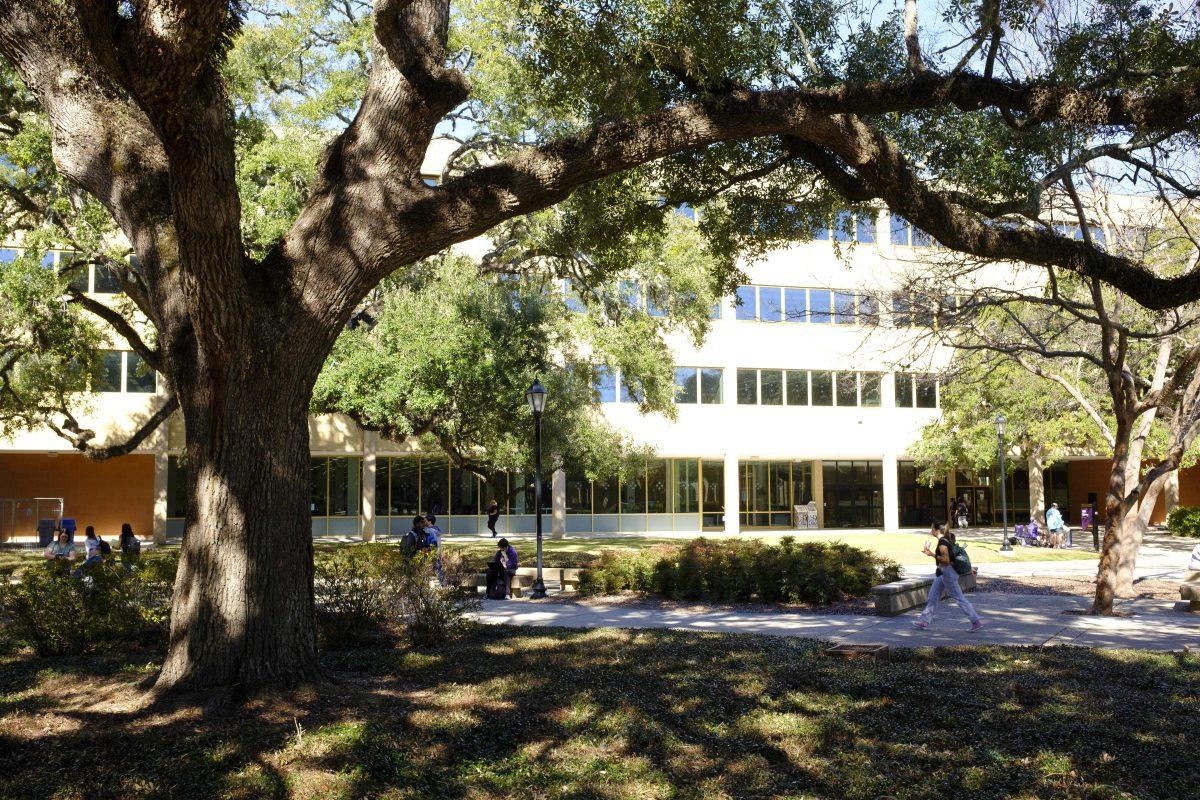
point(1031, 620)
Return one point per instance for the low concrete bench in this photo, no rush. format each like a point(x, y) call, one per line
point(517, 584)
point(899, 596)
point(1189, 593)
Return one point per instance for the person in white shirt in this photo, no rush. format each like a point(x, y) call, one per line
point(1194, 561)
point(1054, 526)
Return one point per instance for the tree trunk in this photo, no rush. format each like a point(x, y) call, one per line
point(1113, 544)
point(1137, 519)
point(242, 613)
point(1037, 486)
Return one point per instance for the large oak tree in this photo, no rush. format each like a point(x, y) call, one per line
point(771, 113)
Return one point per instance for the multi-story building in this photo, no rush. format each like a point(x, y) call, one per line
point(792, 399)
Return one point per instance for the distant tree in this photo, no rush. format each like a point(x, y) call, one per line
point(1044, 423)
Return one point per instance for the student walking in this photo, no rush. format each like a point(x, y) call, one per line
point(493, 515)
point(949, 559)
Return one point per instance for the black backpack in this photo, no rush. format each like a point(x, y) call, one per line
point(409, 543)
point(105, 548)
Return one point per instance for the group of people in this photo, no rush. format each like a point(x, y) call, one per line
point(94, 548)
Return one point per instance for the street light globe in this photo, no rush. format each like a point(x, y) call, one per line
point(1001, 424)
point(536, 397)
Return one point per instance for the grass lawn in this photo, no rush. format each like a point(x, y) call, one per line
point(511, 713)
point(904, 548)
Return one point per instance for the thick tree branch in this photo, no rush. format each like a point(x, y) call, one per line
point(80, 437)
point(122, 326)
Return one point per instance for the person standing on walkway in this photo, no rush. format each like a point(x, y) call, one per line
point(1054, 526)
point(946, 580)
point(493, 515)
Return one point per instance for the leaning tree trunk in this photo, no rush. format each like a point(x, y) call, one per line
point(242, 614)
point(1134, 526)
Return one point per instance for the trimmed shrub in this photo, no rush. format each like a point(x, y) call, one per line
point(373, 593)
point(743, 571)
point(1184, 521)
point(57, 614)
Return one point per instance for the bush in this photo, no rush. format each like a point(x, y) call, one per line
point(373, 592)
point(743, 571)
point(1184, 521)
point(57, 614)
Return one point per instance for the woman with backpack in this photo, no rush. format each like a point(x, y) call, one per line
point(951, 561)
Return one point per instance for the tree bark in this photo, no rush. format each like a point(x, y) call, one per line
point(243, 610)
point(1133, 529)
point(1113, 544)
point(1037, 486)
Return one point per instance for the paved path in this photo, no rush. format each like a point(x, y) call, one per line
point(1033, 620)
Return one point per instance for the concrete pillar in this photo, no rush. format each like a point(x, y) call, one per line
point(818, 490)
point(1037, 487)
point(558, 504)
point(891, 493)
point(1171, 492)
point(160, 491)
point(733, 520)
point(367, 517)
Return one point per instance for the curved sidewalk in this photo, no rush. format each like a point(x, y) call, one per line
point(1030, 620)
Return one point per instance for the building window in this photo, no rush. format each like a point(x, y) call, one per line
point(853, 494)
point(631, 392)
point(770, 303)
point(797, 387)
point(464, 492)
point(819, 306)
point(712, 494)
point(870, 387)
point(906, 234)
point(107, 281)
point(685, 483)
point(747, 303)
point(657, 489)
point(606, 496)
point(920, 504)
point(822, 388)
point(769, 489)
point(80, 277)
point(106, 371)
point(904, 390)
point(656, 301)
point(926, 391)
point(686, 390)
point(578, 494)
point(633, 494)
point(710, 385)
point(747, 387)
point(404, 482)
point(844, 306)
point(8, 255)
point(630, 294)
point(176, 487)
point(139, 377)
point(795, 305)
point(770, 384)
point(605, 385)
point(847, 389)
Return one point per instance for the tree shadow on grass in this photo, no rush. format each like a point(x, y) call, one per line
point(612, 714)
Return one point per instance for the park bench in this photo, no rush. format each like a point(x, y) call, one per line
point(517, 584)
point(1189, 592)
point(565, 577)
point(899, 596)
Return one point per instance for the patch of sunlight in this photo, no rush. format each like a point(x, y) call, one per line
point(775, 725)
point(443, 721)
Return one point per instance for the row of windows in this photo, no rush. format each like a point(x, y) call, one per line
point(801, 387)
point(778, 387)
point(94, 279)
point(797, 304)
point(663, 486)
point(115, 369)
point(634, 295)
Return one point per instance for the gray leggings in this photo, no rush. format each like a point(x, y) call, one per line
point(948, 582)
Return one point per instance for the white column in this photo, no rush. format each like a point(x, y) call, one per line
point(732, 494)
point(160, 490)
point(818, 490)
point(891, 493)
point(370, 441)
point(558, 504)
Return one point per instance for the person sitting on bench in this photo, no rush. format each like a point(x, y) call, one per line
point(506, 556)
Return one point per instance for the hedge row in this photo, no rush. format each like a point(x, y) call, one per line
point(742, 571)
point(1184, 521)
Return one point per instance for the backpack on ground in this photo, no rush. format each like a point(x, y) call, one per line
point(105, 548)
point(497, 580)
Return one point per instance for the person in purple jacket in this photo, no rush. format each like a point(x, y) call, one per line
point(506, 556)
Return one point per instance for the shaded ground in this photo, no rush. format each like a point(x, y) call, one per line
point(1078, 585)
point(617, 714)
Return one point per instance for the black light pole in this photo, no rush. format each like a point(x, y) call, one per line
point(1001, 424)
point(537, 403)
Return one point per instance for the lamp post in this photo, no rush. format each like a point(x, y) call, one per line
point(1001, 425)
point(537, 404)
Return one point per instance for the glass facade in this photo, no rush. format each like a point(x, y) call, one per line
point(769, 489)
point(853, 494)
point(920, 504)
point(666, 494)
